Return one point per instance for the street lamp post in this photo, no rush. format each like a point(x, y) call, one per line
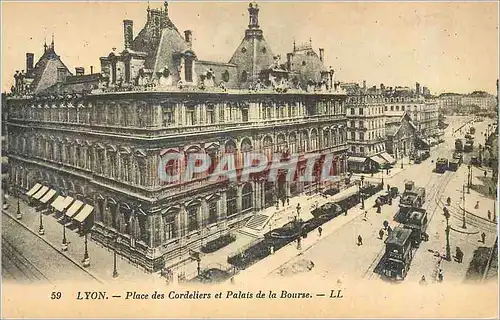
point(64, 245)
point(361, 193)
point(41, 230)
point(115, 272)
point(382, 177)
point(86, 259)
point(469, 177)
point(464, 226)
point(447, 230)
point(19, 215)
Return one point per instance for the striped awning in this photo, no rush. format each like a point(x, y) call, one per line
point(40, 192)
point(356, 159)
point(74, 208)
point(34, 189)
point(378, 160)
point(388, 157)
point(48, 196)
point(57, 204)
point(84, 213)
point(66, 202)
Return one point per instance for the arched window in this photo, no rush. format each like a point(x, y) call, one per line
point(225, 76)
point(292, 143)
point(231, 197)
point(247, 197)
point(267, 146)
point(192, 215)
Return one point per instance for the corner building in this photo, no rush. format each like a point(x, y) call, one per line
point(99, 138)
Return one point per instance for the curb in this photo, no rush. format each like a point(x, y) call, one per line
point(55, 248)
point(464, 231)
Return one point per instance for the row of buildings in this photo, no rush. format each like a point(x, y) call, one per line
point(99, 138)
point(481, 101)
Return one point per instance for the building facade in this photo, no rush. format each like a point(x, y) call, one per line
point(401, 133)
point(104, 145)
point(366, 125)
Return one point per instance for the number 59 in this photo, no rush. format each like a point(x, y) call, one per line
point(56, 295)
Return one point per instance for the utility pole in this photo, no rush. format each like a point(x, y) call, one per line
point(464, 226)
point(447, 230)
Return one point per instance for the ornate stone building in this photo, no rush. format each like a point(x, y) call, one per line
point(103, 145)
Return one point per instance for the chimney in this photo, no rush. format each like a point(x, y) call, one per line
point(128, 33)
point(417, 88)
point(289, 60)
point(364, 84)
point(382, 87)
point(61, 74)
point(321, 54)
point(188, 36)
point(29, 62)
point(91, 69)
point(79, 71)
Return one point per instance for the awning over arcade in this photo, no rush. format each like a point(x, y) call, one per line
point(84, 213)
point(74, 208)
point(388, 157)
point(48, 196)
point(33, 190)
point(40, 192)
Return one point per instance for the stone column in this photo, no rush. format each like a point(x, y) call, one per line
point(182, 221)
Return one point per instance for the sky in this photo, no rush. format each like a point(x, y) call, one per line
point(446, 46)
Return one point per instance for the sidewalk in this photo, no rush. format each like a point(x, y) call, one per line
point(101, 259)
point(279, 218)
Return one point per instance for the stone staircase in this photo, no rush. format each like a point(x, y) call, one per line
point(257, 222)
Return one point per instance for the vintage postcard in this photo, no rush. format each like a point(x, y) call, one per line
point(249, 160)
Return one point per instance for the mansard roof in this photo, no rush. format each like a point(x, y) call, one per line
point(44, 73)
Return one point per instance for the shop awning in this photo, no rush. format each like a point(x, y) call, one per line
point(74, 208)
point(66, 202)
point(56, 204)
point(48, 196)
point(378, 160)
point(356, 159)
point(84, 213)
point(40, 192)
point(32, 191)
point(388, 157)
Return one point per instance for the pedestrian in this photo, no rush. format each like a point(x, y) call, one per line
point(483, 237)
point(381, 234)
point(360, 241)
point(283, 202)
point(232, 280)
point(448, 201)
point(422, 280)
point(440, 275)
point(287, 201)
point(271, 249)
point(379, 209)
point(388, 188)
point(389, 230)
point(477, 205)
point(485, 173)
point(320, 230)
point(345, 212)
point(489, 215)
point(365, 216)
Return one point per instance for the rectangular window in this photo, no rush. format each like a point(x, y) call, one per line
point(353, 136)
point(221, 113)
point(352, 111)
point(361, 124)
point(360, 111)
point(361, 149)
point(168, 116)
point(188, 70)
point(353, 124)
point(361, 136)
point(190, 116)
point(169, 227)
point(212, 212)
point(210, 115)
point(192, 213)
point(244, 115)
